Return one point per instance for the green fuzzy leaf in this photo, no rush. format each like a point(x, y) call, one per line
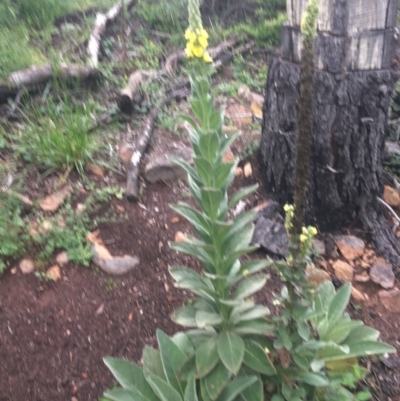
point(197, 108)
point(339, 304)
point(188, 168)
point(303, 330)
point(130, 376)
point(242, 193)
point(217, 380)
point(121, 394)
point(255, 312)
point(186, 247)
point(236, 387)
point(152, 365)
point(164, 391)
point(209, 145)
point(341, 330)
point(331, 349)
point(224, 175)
point(231, 351)
point(236, 242)
point(256, 358)
point(211, 201)
point(250, 286)
point(257, 327)
point(203, 391)
point(230, 260)
point(313, 379)
point(250, 268)
point(172, 358)
point(190, 390)
point(225, 143)
point(216, 120)
point(255, 391)
point(205, 170)
point(187, 368)
point(185, 316)
point(193, 216)
point(205, 319)
point(206, 357)
point(361, 334)
point(370, 348)
point(181, 340)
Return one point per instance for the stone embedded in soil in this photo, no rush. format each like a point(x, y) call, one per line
point(228, 156)
point(160, 168)
point(80, 208)
point(45, 227)
point(95, 170)
point(343, 271)
point(350, 246)
point(382, 273)
point(54, 273)
point(247, 170)
point(391, 196)
point(390, 300)
point(361, 278)
point(238, 113)
point(52, 202)
point(238, 172)
point(116, 265)
point(358, 295)
point(270, 232)
point(27, 266)
point(316, 276)
point(62, 258)
point(318, 247)
point(180, 237)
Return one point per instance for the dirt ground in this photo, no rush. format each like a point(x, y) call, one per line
point(53, 335)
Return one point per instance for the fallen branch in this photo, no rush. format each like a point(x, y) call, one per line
point(41, 74)
point(129, 93)
point(132, 185)
point(99, 27)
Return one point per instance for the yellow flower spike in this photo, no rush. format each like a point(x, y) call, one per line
point(207, 58)
point(198, 51)
point(245, 272)
point(303, 238)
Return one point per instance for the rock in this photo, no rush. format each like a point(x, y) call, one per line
point(318, 247)
point(382, 274)
point(361, 278)
point(94, 169)
point(391, 196)
point(247, 170)
point(239, 113)
point(180, 237)
point(256, 107)
point(27, 266)
point(79, 209)
point(54, 273)
point(62, 258)
point(244, 93)
point(390, 300)
point(316, 276)
point(52, 202)
point(14, 270)
point(343, 271)
point(45, 227)
point(358, 295)
point(238, 172)
point(270, 232)
point(162, 169)
point(323, 264)
point(116, 265)
point(350, 246)
point(125, 153)
point(33, 228)
point(61, 222)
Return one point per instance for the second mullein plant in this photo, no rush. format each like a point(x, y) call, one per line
point(231, 350)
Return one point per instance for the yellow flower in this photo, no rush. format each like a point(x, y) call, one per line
point(312, 231)
point(190, 36)
point(198, 51)
point(266, 350)
point(245, 272)
point(304, 230)
point(288, 208)
point(207, 58)
point(276, 302)
point(303, 238)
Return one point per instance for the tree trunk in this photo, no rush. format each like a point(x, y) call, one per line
point(353, 84)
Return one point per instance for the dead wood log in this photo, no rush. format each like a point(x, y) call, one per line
point(129, 93)
point(99, 27)
point(41, 74)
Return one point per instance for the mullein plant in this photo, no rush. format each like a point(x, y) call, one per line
point(230, 350)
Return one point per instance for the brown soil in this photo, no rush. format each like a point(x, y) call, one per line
point(53, 335)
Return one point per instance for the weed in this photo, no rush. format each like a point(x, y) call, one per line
point(110, 283)
point(56, 136)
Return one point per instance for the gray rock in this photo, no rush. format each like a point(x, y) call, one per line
point(27, 266)
point(318, 247)
point(390, 300)
point(113, 265)
point(350, 246)
point(391, 149)
point(161, 168)
point(382, 274)
point(270, 232)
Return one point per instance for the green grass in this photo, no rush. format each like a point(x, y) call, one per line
point(56, 136)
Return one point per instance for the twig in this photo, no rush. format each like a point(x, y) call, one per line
point(380, 200)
